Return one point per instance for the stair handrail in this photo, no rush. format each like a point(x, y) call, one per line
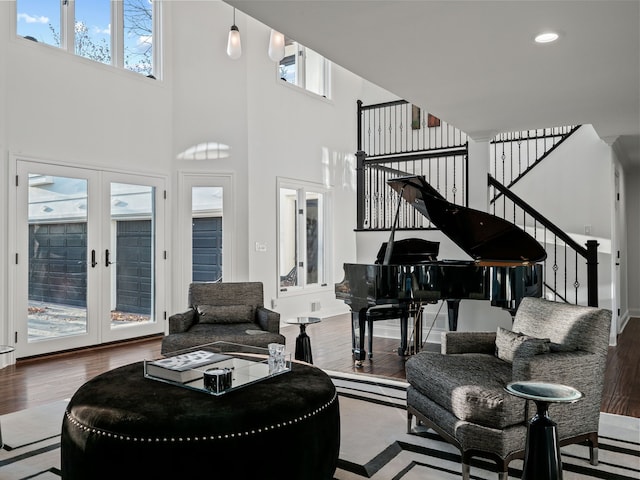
point(589, 253)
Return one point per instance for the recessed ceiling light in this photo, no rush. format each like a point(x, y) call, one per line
point(547, 37)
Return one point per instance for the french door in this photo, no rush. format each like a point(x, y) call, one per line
point(89, 250)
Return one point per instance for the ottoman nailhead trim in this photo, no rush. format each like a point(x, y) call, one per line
point(128, 438)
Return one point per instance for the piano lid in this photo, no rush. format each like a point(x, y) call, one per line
point(484, 237)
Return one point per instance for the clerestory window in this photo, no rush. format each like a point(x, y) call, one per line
point(305, 68)
point(114, 32)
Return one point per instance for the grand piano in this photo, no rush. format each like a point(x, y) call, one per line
point(503, 268)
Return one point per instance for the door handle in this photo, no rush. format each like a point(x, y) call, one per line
point(93, 259)
point(107, 262)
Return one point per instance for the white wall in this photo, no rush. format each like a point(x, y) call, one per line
point(65, 109)
point(632, 190)
point(71, 110)
point(274, 130)
point(4, 26)
point(297, 135)
point(619, 248)
point(573, 187)
point(209, 104)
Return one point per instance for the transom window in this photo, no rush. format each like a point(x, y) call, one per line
point(113, 32)
point(305, 68)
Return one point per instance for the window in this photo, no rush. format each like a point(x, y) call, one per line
point(113, 32)
point(206, 234)
point(39, 21)
point(303, 67)
point(92, 30)
point(302, 233)
point(207, 228)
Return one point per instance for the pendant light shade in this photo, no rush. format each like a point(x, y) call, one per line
point(234, 46)
point(276, 46)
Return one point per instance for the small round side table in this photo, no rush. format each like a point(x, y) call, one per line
point(542, 452)
point(303, 342)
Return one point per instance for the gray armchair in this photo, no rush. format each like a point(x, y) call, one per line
point(218, 311)
point(460, 394)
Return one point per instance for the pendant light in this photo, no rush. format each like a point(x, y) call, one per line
point(276, 46)
point(234, 46)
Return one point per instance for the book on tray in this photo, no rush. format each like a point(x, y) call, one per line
point(180, 368)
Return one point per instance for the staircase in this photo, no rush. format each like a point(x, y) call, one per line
point(397, 139)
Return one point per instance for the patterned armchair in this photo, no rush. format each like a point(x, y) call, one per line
point(218, 311)
point(460, 394)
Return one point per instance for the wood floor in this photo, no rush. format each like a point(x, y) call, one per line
point(38, 381)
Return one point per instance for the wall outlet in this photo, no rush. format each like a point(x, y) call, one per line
point(315, 306)
point(587, 229)
point(261, 247)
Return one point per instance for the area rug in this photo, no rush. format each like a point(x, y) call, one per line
point(24, 428)
point(374, 443)
point(32, 443)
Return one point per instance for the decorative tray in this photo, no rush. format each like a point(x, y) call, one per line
point(215, 368)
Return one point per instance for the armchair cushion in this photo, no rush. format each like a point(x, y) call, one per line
point(225, 313)
point(468, 342)
point(470, 385)
point(510, 345)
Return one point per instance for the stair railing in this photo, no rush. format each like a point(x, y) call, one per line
point(514, 154)
point(398, 139)
point(562, 269)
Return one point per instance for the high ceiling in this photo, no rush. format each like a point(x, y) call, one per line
point(475, 64)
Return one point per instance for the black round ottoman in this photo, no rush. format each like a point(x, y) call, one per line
point(122, 425)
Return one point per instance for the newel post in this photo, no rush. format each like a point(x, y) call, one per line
point(592, 273)
point(360, 156)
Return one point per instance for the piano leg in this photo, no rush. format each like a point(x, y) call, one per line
point(388, 312)
point(370, 336)
point(404, 329)
point(453, 306)
point(416, 312)
point(358, 324)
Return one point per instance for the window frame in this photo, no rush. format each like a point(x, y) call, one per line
point(301, 68)
point(116, 39)
point(302, 188)
point(187, 180)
